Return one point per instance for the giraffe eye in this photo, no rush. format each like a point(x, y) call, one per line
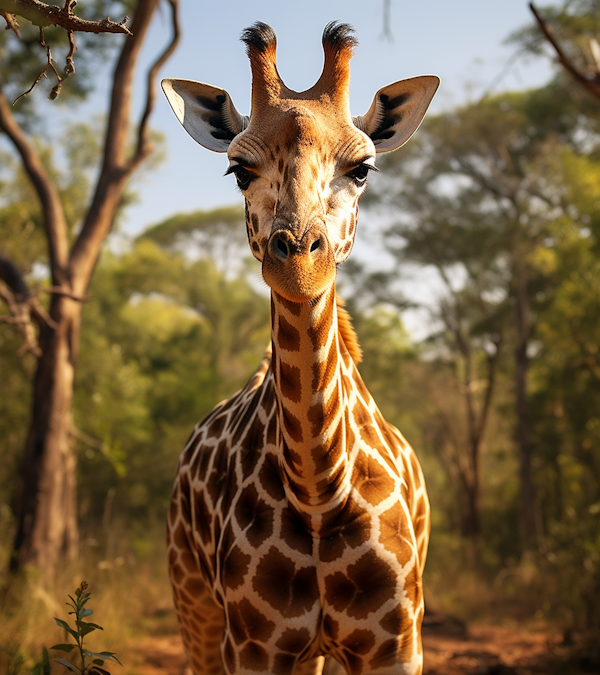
point(243, 177)
point(359, 175)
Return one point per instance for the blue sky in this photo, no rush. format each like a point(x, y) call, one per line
point(461, 41)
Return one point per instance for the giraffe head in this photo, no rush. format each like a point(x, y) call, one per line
point(301, 160)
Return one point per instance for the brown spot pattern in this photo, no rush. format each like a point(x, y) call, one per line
point(396, 621)
point(323, 373)
point(235, 568)
point(320, 331)
point(368, 584)
point(294, 308)
point(290, 382)
point(292, 425)
point(395, 533)
point(254, 657)
point(248, 623)
point(360, 641)
point(294, 533)
point(326, 454)
point(284, 664)
point(353, 533)
point(290, 591)
point(366, 425)
point(386, 655)
point(371, 479)
point(294, 640)
point(255, 516)
point(270, 480)
point(288, 336)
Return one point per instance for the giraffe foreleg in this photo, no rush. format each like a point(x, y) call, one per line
point(201, 623)
point(311, 667)
point(201, 620)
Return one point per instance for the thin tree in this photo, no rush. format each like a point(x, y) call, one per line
point(46, 502)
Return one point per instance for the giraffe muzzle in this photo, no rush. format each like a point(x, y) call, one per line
point(301, 268)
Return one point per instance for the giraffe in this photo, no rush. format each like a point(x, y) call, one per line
point(299, 522)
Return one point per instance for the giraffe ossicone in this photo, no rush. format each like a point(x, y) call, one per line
point(299, 523)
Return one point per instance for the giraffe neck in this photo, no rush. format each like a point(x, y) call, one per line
point(310, 368)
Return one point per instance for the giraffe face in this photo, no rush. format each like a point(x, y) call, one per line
point(301, 160)
point(302, 173)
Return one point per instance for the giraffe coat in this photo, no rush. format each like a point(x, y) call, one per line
point(299, 521)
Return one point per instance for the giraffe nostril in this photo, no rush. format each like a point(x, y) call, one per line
point(282, 247)
point(315, 245)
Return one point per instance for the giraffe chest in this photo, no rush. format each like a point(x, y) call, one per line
point(343, 582)
point(262, 554)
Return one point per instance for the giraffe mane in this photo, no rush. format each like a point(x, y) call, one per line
point(347, 331)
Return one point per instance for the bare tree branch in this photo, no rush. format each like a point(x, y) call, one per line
point(143, 145)
point(55, 290)
point(387, 21)
point(53, 212)
point(42, 15)
point(593, 84)
point(22, 305)
point(49, 64)
point(11, 23)
point(117, 167)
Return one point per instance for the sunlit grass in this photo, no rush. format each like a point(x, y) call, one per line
point(131, 597)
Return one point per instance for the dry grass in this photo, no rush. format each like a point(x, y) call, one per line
point(130, 597)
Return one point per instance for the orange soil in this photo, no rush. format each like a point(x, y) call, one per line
point(480, 650)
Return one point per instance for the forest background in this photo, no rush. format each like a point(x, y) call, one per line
point(495, 202)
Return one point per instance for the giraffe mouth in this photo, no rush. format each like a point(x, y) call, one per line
point(299, 269)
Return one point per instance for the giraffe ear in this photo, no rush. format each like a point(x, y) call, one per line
point(207, 113)
point(397, 111)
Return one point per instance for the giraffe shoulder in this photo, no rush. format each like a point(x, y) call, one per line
point(347, 331)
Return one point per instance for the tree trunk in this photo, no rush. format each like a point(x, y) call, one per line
point(47, 519)
point(47, 526)
point(471, 522)
point(523, 324)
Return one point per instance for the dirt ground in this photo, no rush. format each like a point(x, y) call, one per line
point(450, 649)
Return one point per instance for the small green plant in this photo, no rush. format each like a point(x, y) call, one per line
point(91, 662)
point(42, 667)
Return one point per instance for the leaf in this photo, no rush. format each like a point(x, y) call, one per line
point(98, 662)
point(70, 666)
point(89, 623)
point(105, 655)
point(42, 667)
point(100, 671)
point(86, 612)
point(85, 628)
point(64, 648)
point(65, 625)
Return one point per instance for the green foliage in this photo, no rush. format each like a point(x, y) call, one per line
point(488, 193)
point(42, 667)
point(90, 663)
point(167, 338)
point(574, 23)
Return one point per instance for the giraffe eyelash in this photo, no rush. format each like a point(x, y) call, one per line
point(242, 175)
point(359, 174)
